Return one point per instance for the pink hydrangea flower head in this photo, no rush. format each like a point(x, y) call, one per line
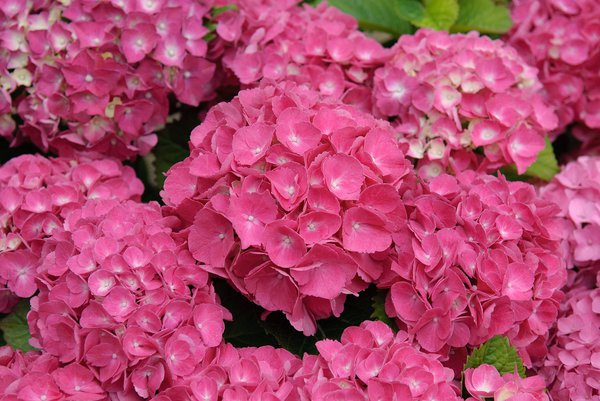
point(479, 258)
point(370, 362)
point(484, 382)
point(561, 38)
point(120, 294)
point(450, 94)
point(35, 194)
point(576, 190)
point(293, 197)
point(572, 367)
point(283, 40)
point(99, 78)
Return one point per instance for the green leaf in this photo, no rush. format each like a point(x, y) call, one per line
point(544, 168)
point(216, 11)
point(482, 15)
point(378, 305)
point(438, 14)
point(497, 352)
point(15, 329)
point(546, 165)
point(167, 153)
point(379, 15)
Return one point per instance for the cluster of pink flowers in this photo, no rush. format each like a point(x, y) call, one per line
point(279, 40)
point(120, 293)
point(452, 94)
point(96, 75)
point(576, 189)
point(485, 383)
point(35, 194)
point(41, 377)
point(572, 368)
point(479, 258)
point(562, 38)
point(369, 363)
point(294, 199)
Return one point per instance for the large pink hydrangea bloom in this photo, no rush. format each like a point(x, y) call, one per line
point(369, 363)
point(562, 39)
point(451, 94)
point(120, 294)
point(96, 75)
point(35, 194)
point(281, 40)
point(480, 257)
point(572, 368)
point(576, 189)
point(41, 377)
point(485, 383)
point(293, 198)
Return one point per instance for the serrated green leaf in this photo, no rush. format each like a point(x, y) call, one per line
point(438, 14)
point(497, 352)
point(378, 15)
point(15, 329)
point(482, 15)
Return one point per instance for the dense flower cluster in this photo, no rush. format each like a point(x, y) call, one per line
point(35, 194)
point(279, 40)
point(120, 294)
point(40, 377)
point(297, 198)
point(562, 38)
point(485, 383)
point(370, 363)
point(96, 75)
point(577, 190)
point(572, 368)
point(452, 94)
point(232, 374)
point(479, 259)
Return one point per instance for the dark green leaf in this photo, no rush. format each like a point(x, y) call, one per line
point(482, 15)
point(15, 329)
point(379, 15)
point(167, 153)
point(378, 305)
point(246, 329)
point(497, 352)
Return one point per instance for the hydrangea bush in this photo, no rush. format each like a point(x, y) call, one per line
point(562, 39)
point(452, 94)
point(36, 193)
point(87, 75)
point(295, 199)
point(351, 219)
point(480, 258)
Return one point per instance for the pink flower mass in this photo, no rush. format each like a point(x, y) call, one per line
point(35, 195)
point(562, 39)
point(451, 94)
point(292, 200)
point(335, 175)
point(478, 258)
